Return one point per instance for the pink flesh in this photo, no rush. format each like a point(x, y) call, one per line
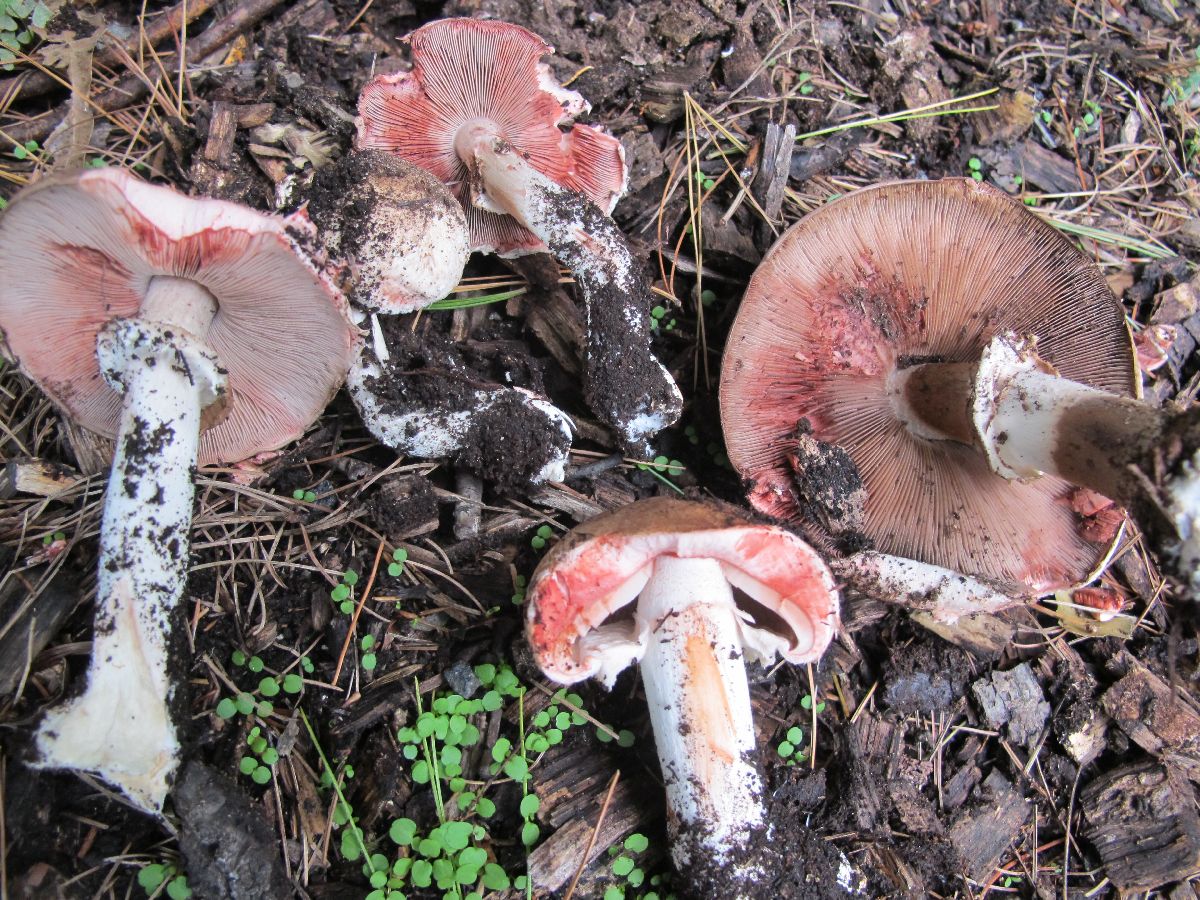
point(88, 249)
point(585, 586)
point(466, 70)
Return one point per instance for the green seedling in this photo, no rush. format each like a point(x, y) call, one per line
point(803, 80)
point(342, 593)
point(625, 864)
point(705, 182)
point(807, 703)
point(541, 537)
point(519, 584)
point(789, 748)
point(658, 319)
point(17, 17)
point(306, 496)
point(54, 538)
point(261, 759)
point(151, 879)
point(660, 467)
point(368, 660)
point(396, 566)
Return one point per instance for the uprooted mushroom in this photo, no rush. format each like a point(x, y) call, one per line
point(480, 111)
point(191, 331)
point(398, 240)
point(927, 368)
point(683, 562)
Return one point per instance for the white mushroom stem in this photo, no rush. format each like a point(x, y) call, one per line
point(120, 728)
point(615, 294)
point(699, 700)
point(1029, 421)
point(943, 593)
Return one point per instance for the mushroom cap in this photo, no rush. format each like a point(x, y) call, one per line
point(896, 275)
point(401, 233)
point(603, 564)
point(467, 70)
point(79, 251)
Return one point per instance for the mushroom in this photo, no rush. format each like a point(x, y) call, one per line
point(398, 240)
point(683, 561)
point(423, 396)
point(150, 316)
point(480, 111)
point(397, 230)
point(910, 358)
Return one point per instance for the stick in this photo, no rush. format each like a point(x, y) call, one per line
point(132, 87)
point(36, 84)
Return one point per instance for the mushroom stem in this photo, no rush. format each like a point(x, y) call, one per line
point(944, 594)
point(699, 700)
point(1029, 421)
point(121, 728)
point(623, 382)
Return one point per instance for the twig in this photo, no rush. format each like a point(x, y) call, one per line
point(34, 84)
point(357, 612)
point(608, 795)
point(132, 87)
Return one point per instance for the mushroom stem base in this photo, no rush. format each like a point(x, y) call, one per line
point(623, 382)
point(695, 682)
point(120, 728)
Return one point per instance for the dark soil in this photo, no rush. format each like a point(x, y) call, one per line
point(926, 766)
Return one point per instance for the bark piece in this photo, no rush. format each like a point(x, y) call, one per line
point(1013, 698)
point(982, 834)
point(1157, 719)
point(1143, 822)
point(555, 862)
point(230, 849)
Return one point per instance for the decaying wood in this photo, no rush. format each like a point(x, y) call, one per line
point(93, 453)
point(28, 625)
point(572, 790)
point(1142, 820)
point(1013, 698)
point(984, 634)
point(133, 87)
point(1157, 719)
point(983, 834)
point(774, 169)
point(469, 508)
point(35, 476)
point(565, 500)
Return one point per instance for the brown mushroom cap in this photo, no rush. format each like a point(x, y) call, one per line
point(78, 251)
point(594, 571)
point(468, 70)
point(892, 276)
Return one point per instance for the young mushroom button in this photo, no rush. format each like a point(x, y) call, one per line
point(149, 317)
point(480, 111)
point(909, 358)
point(682, 562)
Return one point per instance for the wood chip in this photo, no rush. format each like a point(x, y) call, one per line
point(983, 834)
point(1156, 718)
point(1013, 698)
point(1142, 820)
point(35, 476)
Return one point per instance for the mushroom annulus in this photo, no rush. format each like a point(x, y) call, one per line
point(964, 365)
point(480, 111)
point(191, 331)
point(683, 562)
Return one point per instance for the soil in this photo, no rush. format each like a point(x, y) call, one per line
point(1034, 753)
